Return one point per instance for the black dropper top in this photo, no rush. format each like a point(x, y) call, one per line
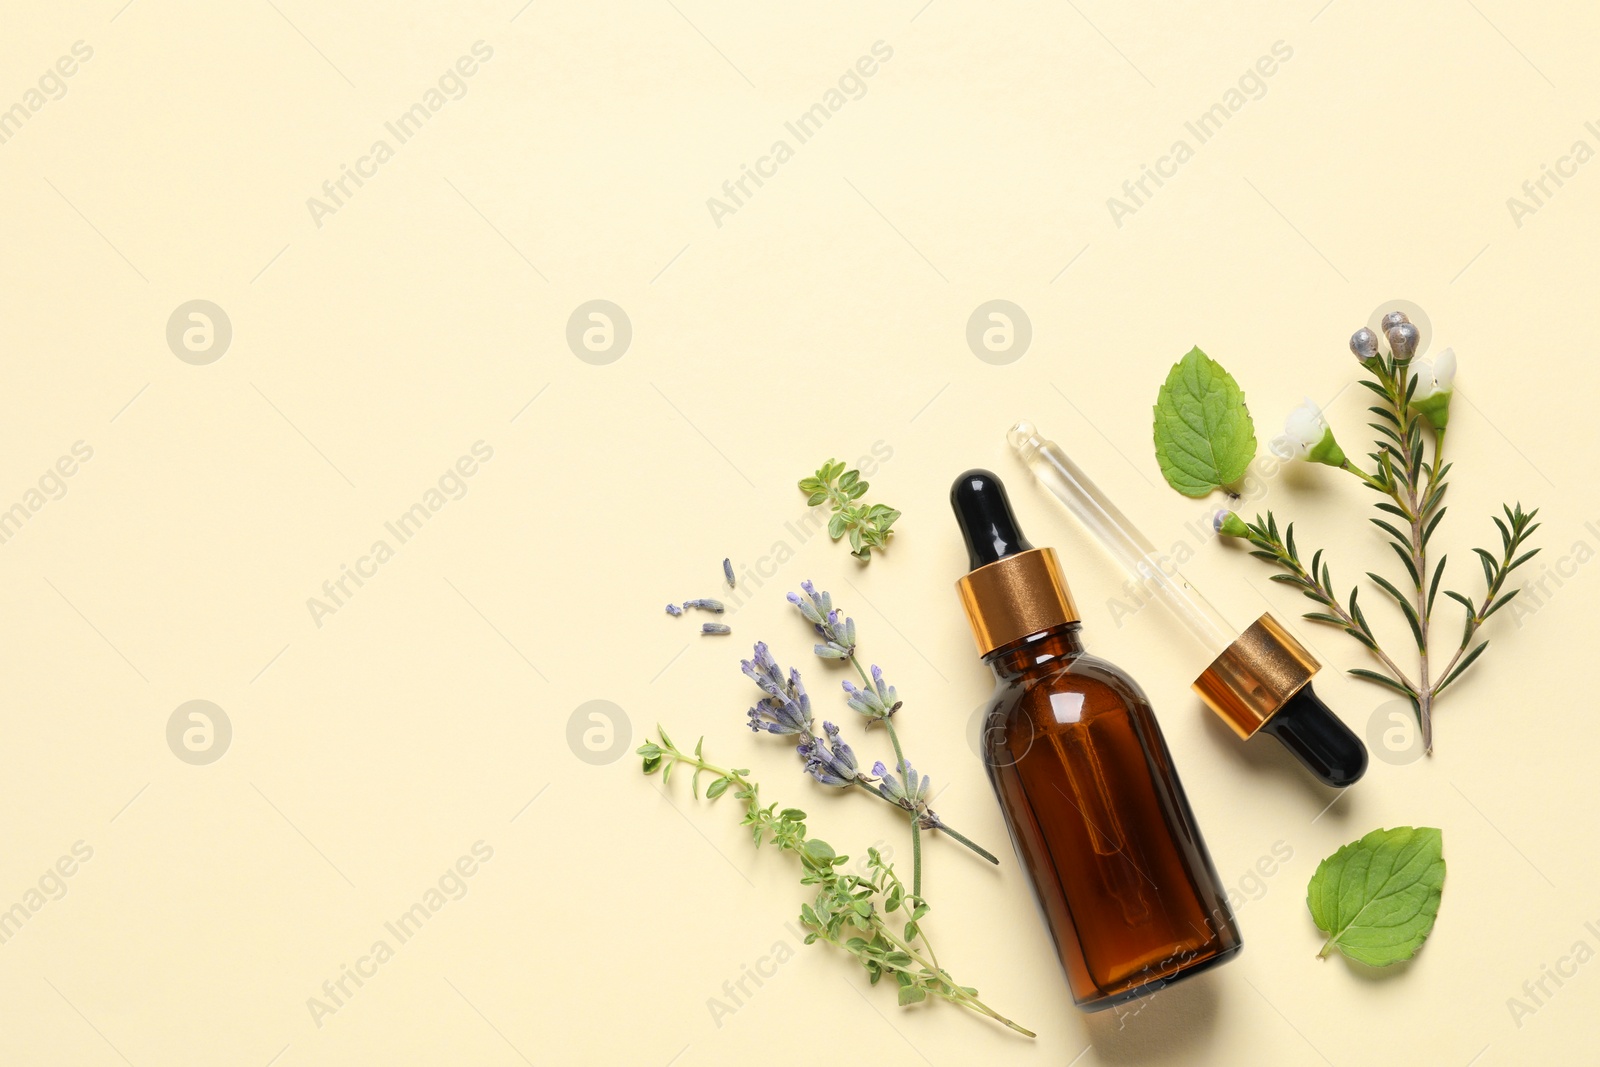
point(984, 513)
point(1319, 739)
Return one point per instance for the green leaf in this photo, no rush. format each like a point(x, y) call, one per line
point(912, 994)
point(716, 788)
point(1377, 898)
point(1203, 434)
point(1405, 606)
point(1466, 661)
point(817, 854)
point(1381, 679)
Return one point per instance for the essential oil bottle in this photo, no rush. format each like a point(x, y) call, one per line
point(1090, 795)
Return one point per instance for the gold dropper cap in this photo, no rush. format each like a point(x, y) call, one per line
point(1255, 676)
point(1016, 596)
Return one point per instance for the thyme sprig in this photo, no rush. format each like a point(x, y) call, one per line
point(848, 911)
point(867, 525)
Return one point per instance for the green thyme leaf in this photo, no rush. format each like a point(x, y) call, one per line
point(867, 526)
point(1376, 898)
point(1203, 433)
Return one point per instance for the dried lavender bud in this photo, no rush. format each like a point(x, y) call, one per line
point(674, 610)
point(1364, 343)
point(704, 604)
point(830, 762)
point(715, 628)
point(838, 633)
point(786, 709)
point(727, 571)
point(879, 702)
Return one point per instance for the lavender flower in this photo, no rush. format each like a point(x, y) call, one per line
point(704, 604)
point(727, 571)
point(879, 702)
point(838, 633)
point(786, 709)
point(910, 794)
point(830, 761)
point(674, 610)
point(715, 628)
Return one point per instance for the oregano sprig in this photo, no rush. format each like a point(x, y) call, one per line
point(848, 911)
point(867, 525)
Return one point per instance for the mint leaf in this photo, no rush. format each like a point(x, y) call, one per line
point(1376, 898)
point(1204, 436)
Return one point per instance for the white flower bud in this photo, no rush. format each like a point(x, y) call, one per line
point(1306, 436)
point(1436, 375)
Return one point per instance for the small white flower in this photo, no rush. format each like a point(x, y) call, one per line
point(1306, 436)
point(1435, 374)
point(1301, 430)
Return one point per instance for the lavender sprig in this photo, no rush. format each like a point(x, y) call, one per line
point(786, 710)
point(876, 701)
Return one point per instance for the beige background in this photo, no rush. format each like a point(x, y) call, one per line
point(430, 711)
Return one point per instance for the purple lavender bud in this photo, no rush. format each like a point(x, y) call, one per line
point(727, 571)
point(704, 604)
point(674, 610)
point(715, 628)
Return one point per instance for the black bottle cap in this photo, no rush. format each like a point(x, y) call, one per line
point(1319, 739)
point(984, 513)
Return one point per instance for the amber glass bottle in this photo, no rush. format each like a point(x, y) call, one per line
point(1094, 805)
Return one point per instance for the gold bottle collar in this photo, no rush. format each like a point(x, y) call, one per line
point(1016, 596)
